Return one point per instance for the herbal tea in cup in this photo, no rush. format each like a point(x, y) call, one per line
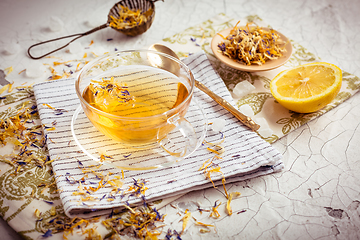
point(133, 98)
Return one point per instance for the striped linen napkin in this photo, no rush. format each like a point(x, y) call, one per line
point(246, 154)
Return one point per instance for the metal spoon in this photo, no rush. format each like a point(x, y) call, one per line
point(247, 121)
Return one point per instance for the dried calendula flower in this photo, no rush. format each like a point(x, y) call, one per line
point(252, 45)
point(228, 207)
point(8, 70)
point(214, 213)
point(204, 230)
point(4, 88)
point(204, 225)
point(37, 213)
point(185, 220)
point(107, 94)
point(103, 155)
point(139, 222)
point(129, 18)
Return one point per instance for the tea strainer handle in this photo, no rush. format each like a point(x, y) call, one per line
point(78, 35)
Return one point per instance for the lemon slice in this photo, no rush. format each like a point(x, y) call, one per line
point(307, 88)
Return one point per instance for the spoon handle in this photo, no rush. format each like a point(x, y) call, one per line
point(247, 121)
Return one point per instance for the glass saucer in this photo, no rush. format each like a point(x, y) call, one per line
point(118, 155)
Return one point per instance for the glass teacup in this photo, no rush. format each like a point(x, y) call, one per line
point(138, 97)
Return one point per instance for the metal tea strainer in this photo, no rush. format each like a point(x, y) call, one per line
point(142, 5)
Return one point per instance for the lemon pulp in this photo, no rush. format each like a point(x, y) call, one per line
point(307, 88)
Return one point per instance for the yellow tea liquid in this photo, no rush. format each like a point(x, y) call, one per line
point(139, 96)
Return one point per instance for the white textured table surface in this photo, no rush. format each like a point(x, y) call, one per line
point(317, 195)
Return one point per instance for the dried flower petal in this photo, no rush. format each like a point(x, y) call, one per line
point(252, 45)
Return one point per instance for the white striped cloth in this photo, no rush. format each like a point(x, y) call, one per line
point(246, 154)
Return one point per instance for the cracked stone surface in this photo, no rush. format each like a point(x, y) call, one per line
point(317, 195)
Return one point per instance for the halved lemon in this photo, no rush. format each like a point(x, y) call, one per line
point(307, 88)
